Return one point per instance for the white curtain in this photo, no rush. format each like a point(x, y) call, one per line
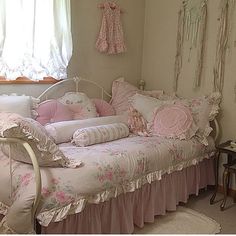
point(35, 38)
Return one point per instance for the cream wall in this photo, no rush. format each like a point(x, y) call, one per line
point(86, 60)
point(161, 17)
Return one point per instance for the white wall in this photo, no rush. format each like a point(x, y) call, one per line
point(160, 31)
point(86, 60)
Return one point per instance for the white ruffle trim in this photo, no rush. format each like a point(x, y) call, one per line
point(55, 215)
point(214, 99)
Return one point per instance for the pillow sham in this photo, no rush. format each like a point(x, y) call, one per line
point(173, 121)
point(62, 132)
point(15, 126)
point(145, 105)
point(103, 108)
point(22, 105)
point(87, 107)
point(122, 91)
point(99, 134)
point(204, 110)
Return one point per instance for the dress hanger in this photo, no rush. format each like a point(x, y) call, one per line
point(112, 5)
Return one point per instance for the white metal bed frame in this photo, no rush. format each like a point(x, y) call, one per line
point(38, 181)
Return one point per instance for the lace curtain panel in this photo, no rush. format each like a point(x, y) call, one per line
point(35, 38)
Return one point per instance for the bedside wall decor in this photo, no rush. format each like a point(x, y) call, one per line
point(192, 23)
point(225, 24)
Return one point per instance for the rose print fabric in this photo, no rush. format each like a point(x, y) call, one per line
point(111, 38)
point(108, 170)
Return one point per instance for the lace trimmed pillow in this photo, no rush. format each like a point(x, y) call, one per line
point(46, 151)
point(173, 121)
point(204, 109)
point(99, 134)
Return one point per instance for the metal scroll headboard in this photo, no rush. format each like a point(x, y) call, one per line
point(76, 84)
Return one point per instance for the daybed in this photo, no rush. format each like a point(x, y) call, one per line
point(115, 185)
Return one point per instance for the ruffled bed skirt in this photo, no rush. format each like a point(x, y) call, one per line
point(119, 215)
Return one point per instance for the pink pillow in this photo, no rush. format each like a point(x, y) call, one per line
point(51, 111)
point(103, 108)
point(121, 92)
point(173, 121)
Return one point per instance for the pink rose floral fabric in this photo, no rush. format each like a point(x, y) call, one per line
point(108, 170)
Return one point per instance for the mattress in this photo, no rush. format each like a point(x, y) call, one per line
point(108, 170)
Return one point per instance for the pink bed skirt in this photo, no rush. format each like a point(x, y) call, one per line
point(119, 215)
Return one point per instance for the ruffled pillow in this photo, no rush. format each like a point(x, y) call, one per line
point(99, 134)
point(204, 110)
point(173, 121)
point(46, 151)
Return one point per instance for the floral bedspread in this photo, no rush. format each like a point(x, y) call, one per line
point(108, 170)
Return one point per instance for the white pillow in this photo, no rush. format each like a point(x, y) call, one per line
point(21, 105)
point(88, 109)
point(62, 132)
point(99, 134)
point(145, 105)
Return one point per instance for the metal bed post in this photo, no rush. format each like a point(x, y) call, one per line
point(36, 168)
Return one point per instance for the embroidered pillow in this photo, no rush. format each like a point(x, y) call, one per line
point(145, 105)
point(173, 121)
point(85, 107)
point(51, 111)
point(137, 124)
point(46, 151)
point(22, 105)
point(103, 108)
point(99, 134)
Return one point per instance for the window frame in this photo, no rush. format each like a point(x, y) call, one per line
point(25, 80)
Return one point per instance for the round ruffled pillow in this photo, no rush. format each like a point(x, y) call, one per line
point(173, 121)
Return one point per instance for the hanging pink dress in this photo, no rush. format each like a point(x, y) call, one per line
point(111, 37)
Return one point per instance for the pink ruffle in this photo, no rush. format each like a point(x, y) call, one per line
point(119, 215)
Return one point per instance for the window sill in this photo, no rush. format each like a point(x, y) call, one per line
point(25, 80)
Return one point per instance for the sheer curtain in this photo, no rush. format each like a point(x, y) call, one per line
point(35, 38)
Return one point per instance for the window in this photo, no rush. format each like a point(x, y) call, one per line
point(35, 38)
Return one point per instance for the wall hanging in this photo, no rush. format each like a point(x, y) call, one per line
point(192, 22)
point(111, 37)
point(225, 23)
